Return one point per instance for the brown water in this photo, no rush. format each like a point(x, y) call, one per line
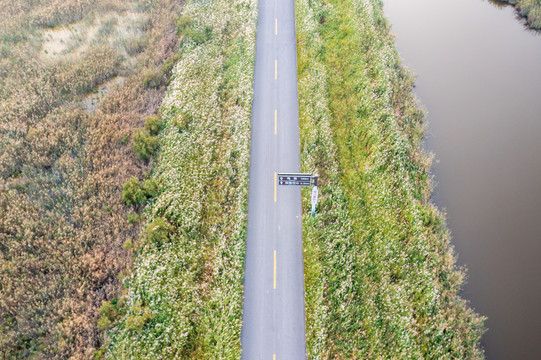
point(479, 77)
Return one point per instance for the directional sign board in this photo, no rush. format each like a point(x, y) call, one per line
point(294, 179)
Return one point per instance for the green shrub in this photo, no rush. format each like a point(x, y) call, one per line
point(182, 121)
point(150, 187)
point(153, 124)
point(128, 244)
point(168, 65)
point(184, 23)
point(140, 316)
point(135, 192)
point(187, 29)
point(108, 314)
point(133, 218)
point(104, 324)
point(200, 36)
point(132, 192)
point(158, 231)
point(100, 353)
point(144, 144)
point(153, 79)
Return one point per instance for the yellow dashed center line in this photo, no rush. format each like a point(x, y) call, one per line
point(274, 269)
point(273, 356)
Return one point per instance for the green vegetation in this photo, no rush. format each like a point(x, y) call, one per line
point(134, 192)
point(530, 9)
point(63, 223)
point(381, 280)
point(144, 144)
point(184, 295)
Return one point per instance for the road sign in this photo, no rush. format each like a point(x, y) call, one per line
point(294, 179)
point(314, 199)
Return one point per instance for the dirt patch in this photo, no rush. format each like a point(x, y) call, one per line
point(124, 32)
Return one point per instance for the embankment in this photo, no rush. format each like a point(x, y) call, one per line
point(381, 280)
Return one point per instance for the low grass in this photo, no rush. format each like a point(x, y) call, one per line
point(381, 280)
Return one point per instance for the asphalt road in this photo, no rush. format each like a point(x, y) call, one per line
point(273, 313)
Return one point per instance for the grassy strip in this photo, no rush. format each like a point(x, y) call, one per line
point(530, 9)
point(380, 275)
point(184, 297)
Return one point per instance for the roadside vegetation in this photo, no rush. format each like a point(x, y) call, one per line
point(530, 9)
point(183, 297)
point(381, 280)
point(66, 233)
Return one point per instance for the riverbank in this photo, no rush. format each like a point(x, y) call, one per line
point(381, 279)
point(529, 9)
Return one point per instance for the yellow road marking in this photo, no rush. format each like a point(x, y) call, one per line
point(275, 269)
point(275, 26)
point(275, 122)
point(275, 69)
point(275, 186)
point(273, 356)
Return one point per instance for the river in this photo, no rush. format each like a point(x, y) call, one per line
point(479, 78)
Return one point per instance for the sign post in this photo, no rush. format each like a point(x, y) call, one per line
point(296, 179)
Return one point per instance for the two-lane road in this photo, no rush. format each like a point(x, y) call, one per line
point(273, 313)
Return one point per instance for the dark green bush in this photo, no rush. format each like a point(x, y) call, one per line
point(132, 193)
point(150, 187)
point(144, 144)
point(135, 192)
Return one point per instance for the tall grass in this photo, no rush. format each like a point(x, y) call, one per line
point(62, 221)
point(184, 296)
point(381, 280)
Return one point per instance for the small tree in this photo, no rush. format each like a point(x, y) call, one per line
point(158, 231)
point(144, 144)
point(135, 192)
point(132, 192)
point(108, 314)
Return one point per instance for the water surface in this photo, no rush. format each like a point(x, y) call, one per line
point(479, 77)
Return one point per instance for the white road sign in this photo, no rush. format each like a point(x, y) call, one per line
point(314, 195)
